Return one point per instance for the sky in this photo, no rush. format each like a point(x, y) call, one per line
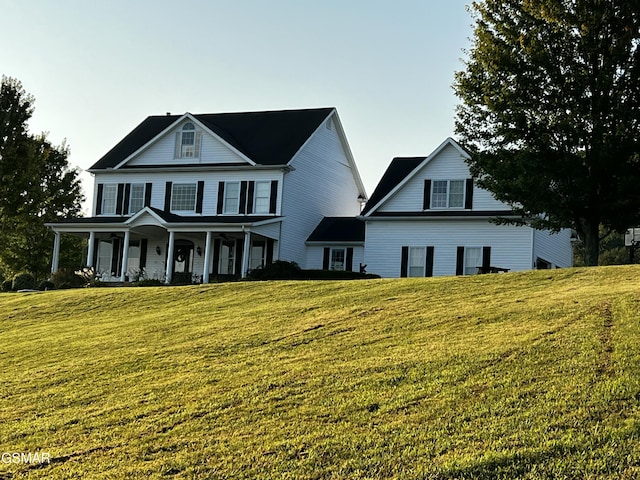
point(98, 69)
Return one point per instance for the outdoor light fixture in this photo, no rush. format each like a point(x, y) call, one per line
point(158, 251)
point(199, 250)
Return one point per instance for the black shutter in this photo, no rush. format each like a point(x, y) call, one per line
point(239, 253)
point(147, 194)
point(119, 199)
point(127, 197)
point(243, 198)
point(325, 258)
point(349, 267)
point(216, 256)
point(143, 253)
point(269, 254)
point(199, 196)
point(99, 199)
point(486, 259)
point(250, 194)
point(115, 257)
point(468, 198)
point(404, 262)
point(220, 197)
point(429, 270)
point(460, 261)
point(274, 196)
point(426, 198)
point(167, 197)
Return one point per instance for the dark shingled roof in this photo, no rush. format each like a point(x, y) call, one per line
point(267, 138)
point(397, 171)
point(338, 229)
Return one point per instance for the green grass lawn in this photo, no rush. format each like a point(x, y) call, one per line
point(524, 375)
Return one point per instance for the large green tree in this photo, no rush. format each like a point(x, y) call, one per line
point(37, 185)
point(550, 110)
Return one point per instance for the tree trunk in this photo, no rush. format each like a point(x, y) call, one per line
point(591, 240)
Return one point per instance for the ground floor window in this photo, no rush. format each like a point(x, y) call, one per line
point(105, 251)
point(257, 257)
point(472, 260)
point(417, 261)
point(227, 257)
point(338, 259)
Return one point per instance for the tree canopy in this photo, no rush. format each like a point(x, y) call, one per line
point(550, 111)
point(37, 185)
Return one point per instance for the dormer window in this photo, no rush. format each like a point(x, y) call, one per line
point(187, 142)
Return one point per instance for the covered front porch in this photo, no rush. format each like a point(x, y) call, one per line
point(155, 245)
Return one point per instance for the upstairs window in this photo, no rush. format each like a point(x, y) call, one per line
point(109, 199)
point(447, 194)
point(262, 197)
point(183, 197)
point(231, 197)
point(188, 141)
point(136, 202)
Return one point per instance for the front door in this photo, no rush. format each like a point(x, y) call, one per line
point(183, 261)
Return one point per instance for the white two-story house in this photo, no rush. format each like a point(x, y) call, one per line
point(427, 217)
point(193, 197)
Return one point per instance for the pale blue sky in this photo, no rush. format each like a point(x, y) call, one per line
point(97, 69)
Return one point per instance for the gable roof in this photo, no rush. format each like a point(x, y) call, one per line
point(338, 229)
point(267, 138)
point(400, 172)
point(397, 171)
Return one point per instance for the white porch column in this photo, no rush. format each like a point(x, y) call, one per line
point(56, 253)
point(246, 253)
point(91, 249)
point(125, 256)
point(207, 258)
point(169, 272)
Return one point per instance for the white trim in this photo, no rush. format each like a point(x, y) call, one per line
point(427, 160)
point(172, 127)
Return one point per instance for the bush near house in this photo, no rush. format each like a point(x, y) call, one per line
point(23, 281)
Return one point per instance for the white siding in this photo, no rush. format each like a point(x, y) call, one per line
point(315, 255)
point(554, 248)
point(510, 245)
point(321, 184)
point(447, 165)
point(161, 152)
point(211, 180)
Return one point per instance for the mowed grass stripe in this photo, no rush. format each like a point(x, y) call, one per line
point(527, 375)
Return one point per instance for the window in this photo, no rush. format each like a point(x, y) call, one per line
point(472, 260)
point(183, 197)
point(105, 250)
point(109, 196)
point(447, 194)
point(338, 259)
point(136, 201)
point(417, 257)
point(231, 197)
point(262, 197)
point(188, 141)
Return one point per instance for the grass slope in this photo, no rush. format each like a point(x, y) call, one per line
point(526, 375)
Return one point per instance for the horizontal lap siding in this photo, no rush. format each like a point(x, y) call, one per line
point(448, 165)
point(321, 184)
point(315, 256)
point(162, 152)
point(211, 180)
point(510, 245)
point(554, 248)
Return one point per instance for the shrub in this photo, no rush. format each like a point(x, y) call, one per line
point(66, 278)
point(23, 281)
point(46, 285)
point(278, 270)
point(6, 285)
